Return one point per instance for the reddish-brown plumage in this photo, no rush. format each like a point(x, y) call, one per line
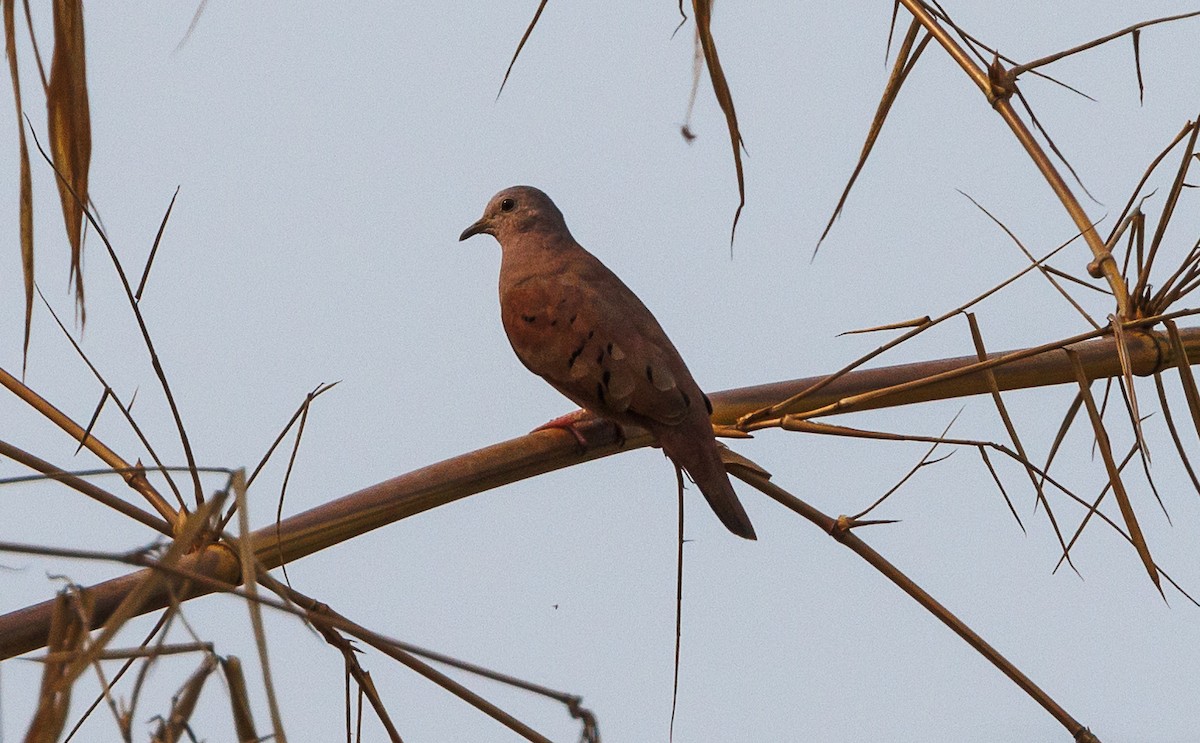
point(571, 321)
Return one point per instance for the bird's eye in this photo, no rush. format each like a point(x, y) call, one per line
point(508, 205)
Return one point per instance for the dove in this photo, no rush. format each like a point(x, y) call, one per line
point(572, 322)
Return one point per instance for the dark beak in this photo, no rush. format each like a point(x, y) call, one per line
point(479, 227)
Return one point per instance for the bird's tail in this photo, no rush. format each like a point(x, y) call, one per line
point(695, 450)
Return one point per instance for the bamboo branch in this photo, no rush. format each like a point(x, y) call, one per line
point(442, 483)
point(998, 85)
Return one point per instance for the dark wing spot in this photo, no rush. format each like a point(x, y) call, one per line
point(687, 401)
point(572, 320)
point(529, 318)
point(649, 374)
point(604, 379)
point(600, 393)
point(575, 355)
point(609, 349)
point(590, 334)
point(600, 357)
point(707, 403)
point(554, 322)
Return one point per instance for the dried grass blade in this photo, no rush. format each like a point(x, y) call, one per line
point(1135, 222)
point(322, 616)
point(1183, 457)
point(134, 477)
point(192, 25)
point(352, 670)
point(1093, 510)
point(67, 635)
point(124, 720)
point(1114, 474)
point(1186, 379)
point(320, 389)
point(906, 58)
point(1063, 428)
point(25, 200)
point(326, 620)
point(172, 728)
point(1153, 488)
point(987, 461)
point(702, 10)
point(1127, 377)
point(1169, 207)
point(521, 45)
point(69, 121)
point(1137, 64)
point(981, 352)
point(250, 586)
point(366, 687)
point(916, 322)
point(887, 49)
point(87, 430)
point(793, 423)
point(239, 699)
point(137, 295)
point(132, 603)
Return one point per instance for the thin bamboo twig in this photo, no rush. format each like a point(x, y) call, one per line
point(83, 486)
point(997, 84)
point(1097, 42)
point(841, 530)
point(678, 600)
point(1010, 427)
point(135, 477)
point(783, 406)
point(1150, 347)
point(137, 314)
point(125, 409)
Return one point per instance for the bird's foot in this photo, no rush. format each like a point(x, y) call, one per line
point(576, 424)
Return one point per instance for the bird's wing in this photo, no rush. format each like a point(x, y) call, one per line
point(590, 337)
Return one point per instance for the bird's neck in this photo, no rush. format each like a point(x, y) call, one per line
point(531, 254)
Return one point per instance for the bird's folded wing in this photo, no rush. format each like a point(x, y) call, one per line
point(602, 349)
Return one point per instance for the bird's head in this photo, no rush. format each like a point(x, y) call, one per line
point(517, 210)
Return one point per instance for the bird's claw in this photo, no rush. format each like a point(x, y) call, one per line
point(573, 423)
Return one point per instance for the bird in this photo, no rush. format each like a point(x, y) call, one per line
point(574, 323)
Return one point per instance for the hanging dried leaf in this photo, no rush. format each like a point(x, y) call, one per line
point(26, 189)
point(1114, 472)
point(702, 10)
point(70, 127)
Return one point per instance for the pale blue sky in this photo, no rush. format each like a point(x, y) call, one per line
point(328, 159)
